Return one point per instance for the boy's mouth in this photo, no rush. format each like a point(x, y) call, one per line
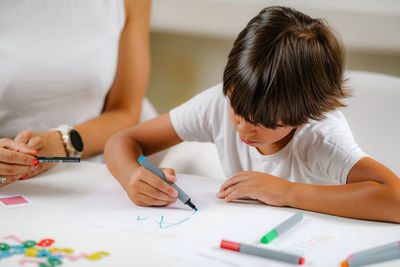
point(247, 141)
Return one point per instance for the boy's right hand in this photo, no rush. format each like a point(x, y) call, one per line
point(147, 189)
point(16, 159)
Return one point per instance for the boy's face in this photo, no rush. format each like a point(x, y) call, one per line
point(257, 136)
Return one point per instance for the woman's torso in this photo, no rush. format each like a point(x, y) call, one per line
point(58, 60)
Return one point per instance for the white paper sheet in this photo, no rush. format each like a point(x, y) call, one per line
point(110, 207)
point(320, 243)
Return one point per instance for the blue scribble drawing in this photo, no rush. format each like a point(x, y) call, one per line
point(164, 225)
point(141, 219)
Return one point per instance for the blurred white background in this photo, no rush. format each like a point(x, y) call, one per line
point(191, 39)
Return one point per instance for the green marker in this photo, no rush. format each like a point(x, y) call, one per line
point(283, 227)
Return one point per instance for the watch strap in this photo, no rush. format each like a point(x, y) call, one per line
point(66, 138)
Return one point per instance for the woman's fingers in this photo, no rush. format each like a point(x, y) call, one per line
point(31, 139)
point(36, 142)
point(11, 170)
point(6, 180)
point(23, 136)
point(15, 159)
point(9, 144)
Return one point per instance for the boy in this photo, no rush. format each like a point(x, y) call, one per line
point(275, 127)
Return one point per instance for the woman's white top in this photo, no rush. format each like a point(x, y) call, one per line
point(58, 60)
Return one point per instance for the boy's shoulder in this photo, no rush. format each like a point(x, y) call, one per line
point(333, 123)
point(332, 132)
point(203, 102)
point(211, 100)
point(214, 92)
point(327, 147)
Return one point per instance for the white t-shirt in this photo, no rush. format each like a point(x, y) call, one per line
point(57, 61)
point(320, 152)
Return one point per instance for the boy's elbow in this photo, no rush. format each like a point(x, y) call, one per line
point(397, 201)
point(394, 199)
point(111, 144)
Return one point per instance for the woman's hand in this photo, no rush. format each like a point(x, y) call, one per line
point(48, 144)
point(147, 189)
point(16, 160)
point(267, 188)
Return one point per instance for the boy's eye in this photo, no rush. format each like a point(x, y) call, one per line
point(280, 125)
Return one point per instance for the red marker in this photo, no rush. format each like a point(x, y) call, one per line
point(262, 252)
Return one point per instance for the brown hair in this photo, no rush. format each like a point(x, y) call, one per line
point(285, 67)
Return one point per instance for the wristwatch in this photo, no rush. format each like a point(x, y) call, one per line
point(72, 140)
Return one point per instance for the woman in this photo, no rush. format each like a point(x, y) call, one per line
point(72, 73)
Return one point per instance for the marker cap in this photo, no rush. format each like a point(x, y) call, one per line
point(269, 237)
point(141, 158)
point(230, 245)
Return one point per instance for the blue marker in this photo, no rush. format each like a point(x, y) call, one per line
point(182, 196)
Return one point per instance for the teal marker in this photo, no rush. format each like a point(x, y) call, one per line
point(182, 196)
point(283, 227)
point(381, 256)
point(392, 245)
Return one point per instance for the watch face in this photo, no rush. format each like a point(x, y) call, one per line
point(76, 140)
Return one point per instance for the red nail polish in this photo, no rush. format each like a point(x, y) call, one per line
point(23, 177)
point(35, 151)
point(35, 162)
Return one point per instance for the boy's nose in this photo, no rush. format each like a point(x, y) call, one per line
point(244, 128)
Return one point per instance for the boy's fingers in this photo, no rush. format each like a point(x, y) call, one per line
point(169, 174)
point(150, 191)
point(234, 180)
point(221, 195)
point(158, 183)
point(149, 201)
point(232, 196)
point(234, 192)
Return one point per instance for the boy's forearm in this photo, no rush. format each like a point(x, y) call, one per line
point(365, 200)
point(121, 155)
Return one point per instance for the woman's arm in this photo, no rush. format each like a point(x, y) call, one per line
point(124, 100)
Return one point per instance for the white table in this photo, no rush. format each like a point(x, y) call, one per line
point(58, 190)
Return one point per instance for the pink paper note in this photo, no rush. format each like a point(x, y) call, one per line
point(13, 200)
